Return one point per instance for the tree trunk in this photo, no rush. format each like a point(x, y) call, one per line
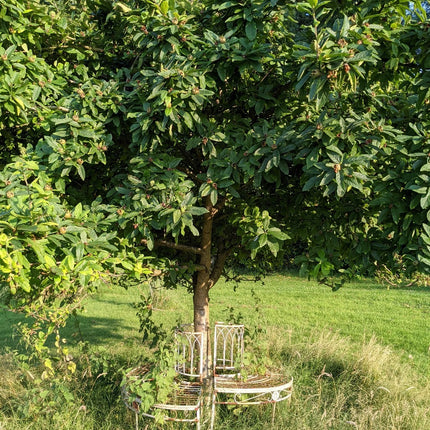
point(202, 286)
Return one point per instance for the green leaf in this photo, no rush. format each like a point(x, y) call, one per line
point(211, 36)
point(164, 7)
point(68, 263)
point(224, 5)
point(127, 265)
point(310, 183)
point(302, 81)
point(20, 102)
point(176, 216)
point(425, 200)
point(277, 233)
point(86, 132)
point(417, 188)
point(77, 212)
point(251, 30)
point(81, 171)
point(205, 189)
point(50, 262)
point(262, 240)
point(345, 27)
point(303, 69)
point(313, 90)
point(10, 107)
point(25, 227)
point(424, 260)
point(274, 247)
point(334, 148)
point(188, 120)
point(79, 251)
point(36, 92)
point(123, 7)
point(214, 196)
point(194, 230)
point(38, 249)
point(222, 73)
point(24, 284)
point(198, 211)
point(340, 190)
point(427, 229)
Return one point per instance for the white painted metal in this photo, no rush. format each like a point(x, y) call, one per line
point(228, 348)
point(187, 393)
point(229, 387)
point(189, 349)
point(254, 390)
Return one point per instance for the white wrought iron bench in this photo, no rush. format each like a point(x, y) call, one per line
point(230, 387)
point(185, 400)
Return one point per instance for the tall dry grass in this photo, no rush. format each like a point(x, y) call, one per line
point(339, 385)
point(342, 385)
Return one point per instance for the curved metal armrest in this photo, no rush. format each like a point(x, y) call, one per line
point(258, 384)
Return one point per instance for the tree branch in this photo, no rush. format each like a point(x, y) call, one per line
point(221, 203)
point(190, 174)
point(179, 247)
point(219, 266)
point(196, 267)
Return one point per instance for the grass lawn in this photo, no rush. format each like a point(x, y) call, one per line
point(363, 337)
point(291, 306)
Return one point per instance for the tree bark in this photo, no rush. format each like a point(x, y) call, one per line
point(202, 286)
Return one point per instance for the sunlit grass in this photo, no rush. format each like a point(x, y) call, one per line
point(399, 318)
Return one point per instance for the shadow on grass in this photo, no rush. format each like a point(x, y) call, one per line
point(99, 330)
point(8, 336)
point(370, 284)
point(116, 302)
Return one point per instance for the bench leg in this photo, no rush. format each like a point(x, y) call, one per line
point(213, 410)
point(273, 414)
point(198, 418)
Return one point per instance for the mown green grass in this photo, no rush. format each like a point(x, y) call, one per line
point(359, 356)
point(399, 318)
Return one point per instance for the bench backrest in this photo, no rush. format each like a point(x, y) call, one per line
point(189, 348)
point(228, 348)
